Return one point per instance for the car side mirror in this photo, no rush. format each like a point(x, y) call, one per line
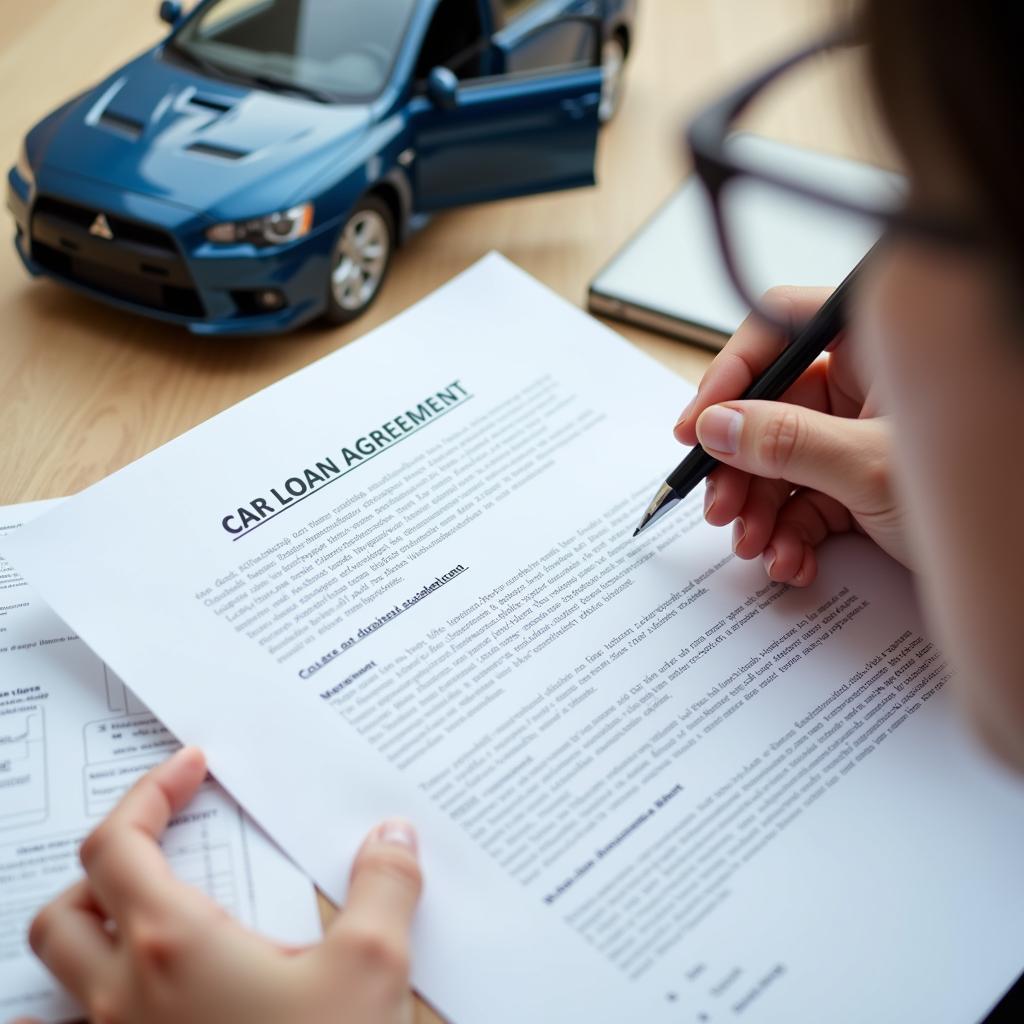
point(170, 11)
point(443, 88)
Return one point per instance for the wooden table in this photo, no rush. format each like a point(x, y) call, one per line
point(85, 389)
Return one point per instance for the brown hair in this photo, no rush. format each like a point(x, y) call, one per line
point(949, 80)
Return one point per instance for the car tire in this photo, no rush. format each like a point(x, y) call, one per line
point(360, 259)
point(613, 79)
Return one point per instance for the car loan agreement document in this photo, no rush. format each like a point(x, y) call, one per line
point(650, 784)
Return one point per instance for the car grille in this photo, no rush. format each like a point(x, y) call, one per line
point(139, 264)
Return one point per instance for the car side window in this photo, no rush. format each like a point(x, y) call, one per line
point(555, 45)
point(513, 8)
point(454, 40)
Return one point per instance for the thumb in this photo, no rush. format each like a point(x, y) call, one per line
point(846, 459)
point(385, 886)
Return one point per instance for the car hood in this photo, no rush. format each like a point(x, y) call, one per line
point(217, 147)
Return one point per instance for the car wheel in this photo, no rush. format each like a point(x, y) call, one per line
point(360, 260)
point(613, 63)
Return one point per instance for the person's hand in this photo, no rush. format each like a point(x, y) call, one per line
point(134, 944)
point(797, 470)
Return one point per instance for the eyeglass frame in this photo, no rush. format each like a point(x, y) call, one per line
point(706, 139)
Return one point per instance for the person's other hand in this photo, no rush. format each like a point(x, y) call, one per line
point(134, 944)
point(794, 471)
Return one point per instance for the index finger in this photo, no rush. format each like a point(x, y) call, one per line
point(122, 856)
point(746, 355)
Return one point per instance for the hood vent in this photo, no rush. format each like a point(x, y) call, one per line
point(126, 125)
point(221, 152)
point(209, 104)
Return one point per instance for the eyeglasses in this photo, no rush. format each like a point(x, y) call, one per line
point(742, 184)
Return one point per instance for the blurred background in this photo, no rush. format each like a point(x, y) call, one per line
point(85, 389)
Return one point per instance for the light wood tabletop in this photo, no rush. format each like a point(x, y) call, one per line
point(85, 389)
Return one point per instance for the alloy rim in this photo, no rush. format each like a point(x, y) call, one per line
point(360, 256)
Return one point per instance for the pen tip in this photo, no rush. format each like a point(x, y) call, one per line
point(636, 531)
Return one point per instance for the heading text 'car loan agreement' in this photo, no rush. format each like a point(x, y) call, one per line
point(650, 784)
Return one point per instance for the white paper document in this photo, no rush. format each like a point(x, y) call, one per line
point(650, 784)
point(73, 738)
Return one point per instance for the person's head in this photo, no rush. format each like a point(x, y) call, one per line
point(943, 331)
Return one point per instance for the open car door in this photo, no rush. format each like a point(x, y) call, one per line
point(477, 139)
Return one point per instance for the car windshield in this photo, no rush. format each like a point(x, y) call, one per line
point(329, 49)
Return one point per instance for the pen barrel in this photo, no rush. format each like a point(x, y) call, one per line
point(691, 471)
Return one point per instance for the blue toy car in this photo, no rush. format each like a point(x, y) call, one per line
point(258, 167)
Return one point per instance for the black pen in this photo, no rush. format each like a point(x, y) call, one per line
point(797, 356)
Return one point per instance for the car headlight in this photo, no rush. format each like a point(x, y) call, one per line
point(274, 229)
point(23, 167)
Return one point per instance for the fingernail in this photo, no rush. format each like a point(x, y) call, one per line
point(739, 531)
point(709, 496)
point(719, 429)
point(686, 412)
point(397, 833)
point(769, 559)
